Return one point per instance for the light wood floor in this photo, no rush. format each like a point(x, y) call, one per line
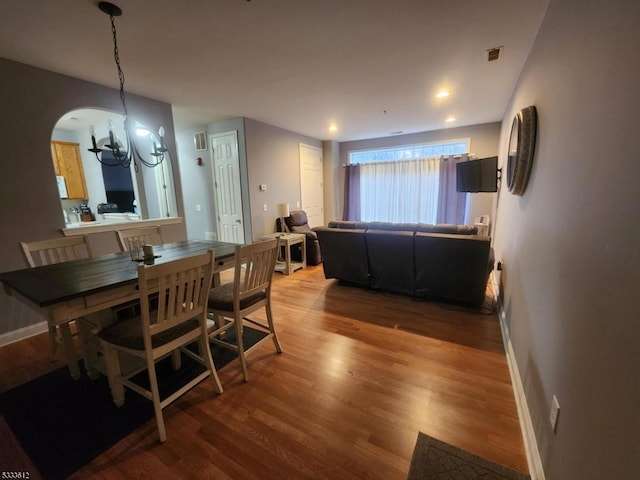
point(362, 372)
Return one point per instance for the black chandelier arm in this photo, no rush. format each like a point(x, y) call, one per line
point(124, 163)
point(158, 156)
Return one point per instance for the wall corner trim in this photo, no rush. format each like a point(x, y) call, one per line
point(526, 425)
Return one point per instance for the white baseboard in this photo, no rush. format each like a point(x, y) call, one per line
point(526, 425)
point(22, 333)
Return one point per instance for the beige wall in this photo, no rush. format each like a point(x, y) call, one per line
point(331, 177)
point(31, 102)
point(570, 244)
point(273, 159)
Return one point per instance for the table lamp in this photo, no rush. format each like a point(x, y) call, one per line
point(283, 212)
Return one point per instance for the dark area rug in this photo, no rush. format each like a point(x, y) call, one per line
point(436, 460)
point(63, 424)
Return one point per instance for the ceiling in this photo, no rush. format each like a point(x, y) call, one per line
point(371, 67)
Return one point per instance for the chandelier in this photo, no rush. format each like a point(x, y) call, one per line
point(124, 154)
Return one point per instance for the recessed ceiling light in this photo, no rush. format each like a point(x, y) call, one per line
point(333, 128)
point(450, 119)
point(442, 94)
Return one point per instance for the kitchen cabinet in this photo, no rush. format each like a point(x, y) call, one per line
point(67, 162)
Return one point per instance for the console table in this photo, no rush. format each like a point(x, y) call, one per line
point(287, 240)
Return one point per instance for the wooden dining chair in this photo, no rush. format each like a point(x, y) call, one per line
point(48, 252)
point(146, 235)
point(55, 250)
point(250, 291)
point(173, 305)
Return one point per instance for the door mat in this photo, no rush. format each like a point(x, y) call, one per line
point(436, 460)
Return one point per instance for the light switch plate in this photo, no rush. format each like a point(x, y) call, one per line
point(553, 415)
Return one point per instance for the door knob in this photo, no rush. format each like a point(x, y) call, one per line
point(238, 221)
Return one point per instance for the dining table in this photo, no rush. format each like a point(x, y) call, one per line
point(73, 290)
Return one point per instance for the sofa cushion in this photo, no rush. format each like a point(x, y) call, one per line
point(447, 228)
point(391, 260)
point(344, 254)
point(343, 224)
point(296, 218)
point(451, 267)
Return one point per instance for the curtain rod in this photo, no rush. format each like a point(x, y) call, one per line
point(443, 157)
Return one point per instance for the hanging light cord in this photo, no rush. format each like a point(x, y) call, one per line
point(116, 57)
point(131, 154)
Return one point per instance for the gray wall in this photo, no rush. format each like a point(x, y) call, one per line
point(31, 102)
point(570, 244)
point(484, 143)
point(198, 188)
point(273, 159)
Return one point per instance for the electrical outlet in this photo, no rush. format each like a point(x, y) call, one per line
point(555, 412)
point(265, 207)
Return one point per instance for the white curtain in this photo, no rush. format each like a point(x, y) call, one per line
point(404, 191)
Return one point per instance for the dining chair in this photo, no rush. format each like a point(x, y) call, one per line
point(146, 235)
point(51, 251)
point(55, 250)
point(230, 303)
point(173, 306)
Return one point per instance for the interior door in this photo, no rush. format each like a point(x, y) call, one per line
point(226, 184)
point(311, 194)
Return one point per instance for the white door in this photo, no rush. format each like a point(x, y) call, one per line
point(311, 194)
point(226, 184)
point(165, 189)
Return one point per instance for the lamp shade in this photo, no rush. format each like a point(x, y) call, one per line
point(283, 210)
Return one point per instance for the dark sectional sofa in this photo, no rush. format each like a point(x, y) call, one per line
point(441, 262)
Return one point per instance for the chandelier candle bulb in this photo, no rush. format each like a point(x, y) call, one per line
point(92, 131)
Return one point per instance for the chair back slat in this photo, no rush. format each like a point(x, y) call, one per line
point(55, 250)
point(255, 264)
point(145, 235)
point(180, 289)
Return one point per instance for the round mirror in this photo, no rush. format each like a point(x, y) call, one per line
point(513, 151)
point(521, 148)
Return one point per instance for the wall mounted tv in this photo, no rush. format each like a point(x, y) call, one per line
point(477, 175)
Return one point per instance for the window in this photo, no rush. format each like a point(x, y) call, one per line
point(407, 152)
point(402, 184)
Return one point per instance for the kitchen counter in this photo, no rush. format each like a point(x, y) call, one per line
point(85, 228)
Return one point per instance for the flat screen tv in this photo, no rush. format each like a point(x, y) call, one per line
point(477, 175)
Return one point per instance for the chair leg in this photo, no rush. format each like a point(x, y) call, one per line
point(53, 336)
point(176, 359)
point(70, 350)
point(240, 343)
point(89, 352)
point(272, 329)
point(155, 397)
point(112, 361)
point(205, 353)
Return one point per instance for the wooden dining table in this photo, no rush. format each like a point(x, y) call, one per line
point(68, 291)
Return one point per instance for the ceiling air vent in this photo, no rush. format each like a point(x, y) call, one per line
point(494, 53)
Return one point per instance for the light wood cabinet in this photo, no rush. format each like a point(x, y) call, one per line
point(68, 163)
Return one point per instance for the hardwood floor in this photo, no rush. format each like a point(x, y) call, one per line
point(361, 373)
